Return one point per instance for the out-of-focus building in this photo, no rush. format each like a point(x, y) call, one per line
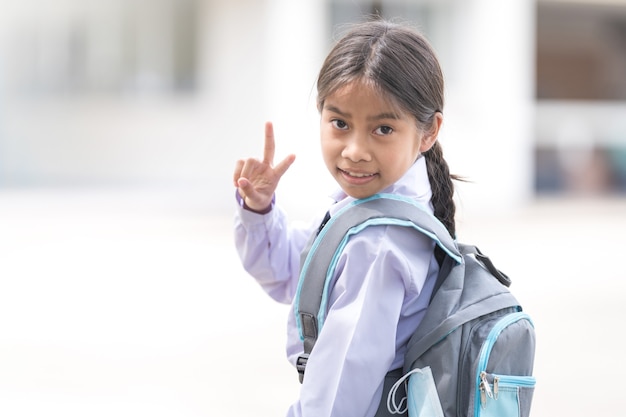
point(172, 92)
point(580, 136)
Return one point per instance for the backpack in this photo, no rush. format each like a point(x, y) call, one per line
point(474, 338)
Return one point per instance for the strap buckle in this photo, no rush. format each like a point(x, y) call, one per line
point(301, 365)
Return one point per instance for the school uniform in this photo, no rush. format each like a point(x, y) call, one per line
point(381, 288)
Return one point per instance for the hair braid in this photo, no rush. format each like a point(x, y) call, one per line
point(442, 190)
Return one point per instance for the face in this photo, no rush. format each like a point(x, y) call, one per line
point(368, 143)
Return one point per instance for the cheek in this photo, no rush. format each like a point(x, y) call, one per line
point(323, 143)
point(399, 160)
point(328, 144)
point(327, 151)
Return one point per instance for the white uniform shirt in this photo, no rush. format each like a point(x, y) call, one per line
point(382, 285)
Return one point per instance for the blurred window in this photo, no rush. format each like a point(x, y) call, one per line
point(106, 46)
point(581, 50)
point(581, 90)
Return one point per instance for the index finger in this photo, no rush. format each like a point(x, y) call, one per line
point(270, 146)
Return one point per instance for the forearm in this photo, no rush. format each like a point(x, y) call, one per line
point(269, 251)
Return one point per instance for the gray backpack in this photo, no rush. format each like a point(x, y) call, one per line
point(474, 337)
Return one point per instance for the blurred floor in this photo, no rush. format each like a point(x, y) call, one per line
point(133, 303)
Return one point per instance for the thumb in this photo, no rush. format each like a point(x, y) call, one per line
point(245, 187)
point(253, 199)
point(247, 190)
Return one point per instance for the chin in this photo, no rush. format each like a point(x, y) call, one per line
point(358, 194)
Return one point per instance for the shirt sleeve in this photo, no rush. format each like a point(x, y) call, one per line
point(269, 249)
point(374, 305)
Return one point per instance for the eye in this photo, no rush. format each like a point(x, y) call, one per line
point(384, 130)
point(339, 124)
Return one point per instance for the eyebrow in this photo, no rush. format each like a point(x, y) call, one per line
point(380, 116)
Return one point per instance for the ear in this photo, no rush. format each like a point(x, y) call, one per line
point(430, 136)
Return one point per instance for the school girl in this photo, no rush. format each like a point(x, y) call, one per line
point(380, 97)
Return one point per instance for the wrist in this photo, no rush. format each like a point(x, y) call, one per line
point(242, 204)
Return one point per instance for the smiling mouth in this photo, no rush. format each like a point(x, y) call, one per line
point(356, 175)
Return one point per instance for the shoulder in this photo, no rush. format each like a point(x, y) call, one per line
point(388, 251)
point(385, 240)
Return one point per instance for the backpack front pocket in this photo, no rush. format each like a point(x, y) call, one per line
point(505, 395)
point(502, 394)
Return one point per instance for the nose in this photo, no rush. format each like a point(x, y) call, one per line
point(356, 148)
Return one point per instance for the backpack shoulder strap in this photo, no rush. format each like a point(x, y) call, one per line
point(319, 261)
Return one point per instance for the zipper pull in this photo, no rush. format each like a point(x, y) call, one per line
point(485, 389)
point(496, 380)
point(483, 396)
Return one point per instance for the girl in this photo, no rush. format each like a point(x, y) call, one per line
point(380, 96)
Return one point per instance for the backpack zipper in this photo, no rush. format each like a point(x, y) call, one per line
point(518, 381)
point(484, 390)
point(504, 380)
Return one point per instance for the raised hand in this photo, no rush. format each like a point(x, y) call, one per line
point(256, 180)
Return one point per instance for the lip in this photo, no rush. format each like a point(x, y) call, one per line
point(356, 177)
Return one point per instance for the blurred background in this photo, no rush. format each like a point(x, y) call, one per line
point(120, 123)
